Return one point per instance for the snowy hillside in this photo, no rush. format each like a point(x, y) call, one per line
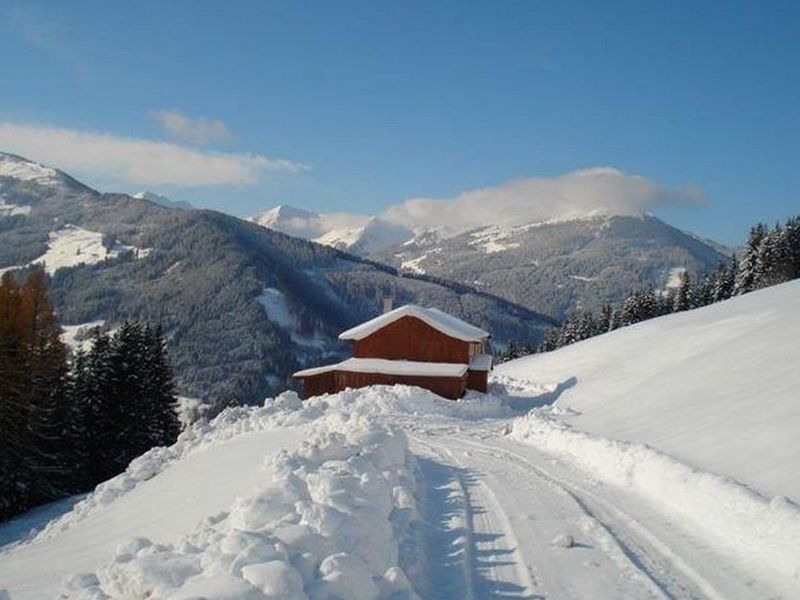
point(718, 387)
point(373, 236)
point(559, 265)
point(658, 461)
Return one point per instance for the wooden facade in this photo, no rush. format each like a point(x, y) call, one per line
point(333, 382)
point(478, 380)
point(411, 341)
point(410, 338)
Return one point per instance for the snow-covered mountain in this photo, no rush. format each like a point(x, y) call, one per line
point(638, 460)
point(164, 200)
point(245, 306)
point(291, 221)
point(354, 234)
point(372, 237)
point(23, 183)
point(552, 266)
point(559, 265)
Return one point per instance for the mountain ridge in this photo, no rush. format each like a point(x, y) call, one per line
point(204, 275)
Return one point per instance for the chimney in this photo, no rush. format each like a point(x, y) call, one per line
point(387, 304)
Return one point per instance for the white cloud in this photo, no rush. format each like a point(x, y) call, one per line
point(594, 190)
point(195, 130)
point(137, 161)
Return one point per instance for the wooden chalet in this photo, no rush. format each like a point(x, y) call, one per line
point(410, 345)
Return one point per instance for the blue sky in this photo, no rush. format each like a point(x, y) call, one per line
point(356, 106)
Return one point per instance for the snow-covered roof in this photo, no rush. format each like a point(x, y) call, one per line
point(390, 367)
point(441, 321)
point(480, 362)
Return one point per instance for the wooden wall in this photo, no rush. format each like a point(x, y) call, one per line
point(316, 385)
point(478, 380)
point(336, 381)
point(410, 338)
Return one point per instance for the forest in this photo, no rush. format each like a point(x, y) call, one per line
point(71, 420)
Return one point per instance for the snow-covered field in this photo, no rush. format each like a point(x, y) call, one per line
point(71, 246)
point(588, 473)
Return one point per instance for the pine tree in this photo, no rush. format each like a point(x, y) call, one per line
point(791, 234)
point(750, 268)
point(681, 295)
point(608, 318)
point(724, 281)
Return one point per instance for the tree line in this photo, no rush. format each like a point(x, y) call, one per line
point(770, 256)
point(69, 421)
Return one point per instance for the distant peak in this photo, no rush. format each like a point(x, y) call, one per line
point(22, 169)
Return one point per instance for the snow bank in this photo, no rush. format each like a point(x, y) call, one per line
point(750, 526)
point(328, 526)
point(341, 500)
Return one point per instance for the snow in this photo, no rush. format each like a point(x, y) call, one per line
point(441, 321)
point(714, 387)
point(674, 277)
point(9, 210)
point(589, 472)
point(390, 367)
point(759, 531)
point(491, 239)
point(375, 235)
point(413, 265)
point(314, 503)
point(79, 336)
point(481, 362)
point(24, 170)
point(276, 305)
point(71, 246)
point(291, 221)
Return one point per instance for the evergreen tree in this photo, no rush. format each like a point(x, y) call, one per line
point(681, 295)
point(791, 234)
point(724, 281)
point(749, 274)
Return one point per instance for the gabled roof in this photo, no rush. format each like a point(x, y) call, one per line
point(390, 367)
point(441, 321)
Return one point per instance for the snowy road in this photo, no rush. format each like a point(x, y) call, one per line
point(494, 509)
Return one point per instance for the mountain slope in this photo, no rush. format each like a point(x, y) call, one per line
point(557, 266)
point(714, 387)
point(243, 306)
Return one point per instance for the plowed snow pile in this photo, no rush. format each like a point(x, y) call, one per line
point(324, 519)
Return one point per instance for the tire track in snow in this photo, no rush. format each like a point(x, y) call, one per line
point(627, 531)
point(448, 539)
point(484, 525)
point(539, 511)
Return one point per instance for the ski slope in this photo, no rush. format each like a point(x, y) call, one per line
point(533, 491)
